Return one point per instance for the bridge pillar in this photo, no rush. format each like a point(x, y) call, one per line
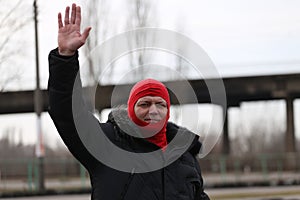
point(225, 137)
point(290, 130)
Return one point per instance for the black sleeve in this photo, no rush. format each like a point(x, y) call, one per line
point(200, 195)
point(62, 73)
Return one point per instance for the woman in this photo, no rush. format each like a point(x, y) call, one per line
point(171, 173)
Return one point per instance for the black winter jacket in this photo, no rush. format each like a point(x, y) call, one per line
point(179, 180)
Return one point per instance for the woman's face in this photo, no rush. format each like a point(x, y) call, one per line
point(151, 109)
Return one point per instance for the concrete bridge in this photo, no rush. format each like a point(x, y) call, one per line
point(238, 89)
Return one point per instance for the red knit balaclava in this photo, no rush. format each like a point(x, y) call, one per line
point(150, 87)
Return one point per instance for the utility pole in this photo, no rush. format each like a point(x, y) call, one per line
point(39, 150)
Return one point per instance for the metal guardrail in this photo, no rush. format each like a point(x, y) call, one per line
point(21, 174)
point(264, 163)
point(67, 173)
point(260, 169)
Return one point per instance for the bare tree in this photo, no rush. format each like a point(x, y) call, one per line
point(263, 134)
point(12, 20)
point(141, 14)
point(97, 16)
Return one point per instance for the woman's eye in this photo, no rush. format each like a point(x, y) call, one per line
point(162, 105)
point(143, 104)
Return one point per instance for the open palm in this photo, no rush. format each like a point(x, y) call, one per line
point(69, 37)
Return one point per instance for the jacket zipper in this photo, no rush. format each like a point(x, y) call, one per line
point(163, 177)
point(127, 184)
point(163, 183)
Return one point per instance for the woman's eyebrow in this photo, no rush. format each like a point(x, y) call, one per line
point(144, 101)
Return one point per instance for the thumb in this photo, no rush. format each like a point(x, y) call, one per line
point(86, 33)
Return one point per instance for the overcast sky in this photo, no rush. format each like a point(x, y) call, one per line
point(242, 37)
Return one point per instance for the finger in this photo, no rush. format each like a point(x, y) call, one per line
point(73, 13)
point(78, 16)
point(86, 33)
point(60, 24)
point(67, 12)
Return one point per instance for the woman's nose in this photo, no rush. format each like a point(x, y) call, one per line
point(153, 109)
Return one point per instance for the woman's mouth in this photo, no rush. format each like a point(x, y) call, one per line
point(152, 120)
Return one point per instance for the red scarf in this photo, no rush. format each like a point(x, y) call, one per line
point(150, 87)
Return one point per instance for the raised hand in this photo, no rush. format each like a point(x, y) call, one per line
point(69, 37)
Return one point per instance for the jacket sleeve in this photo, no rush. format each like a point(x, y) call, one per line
point(62, 74)
point(200, 194)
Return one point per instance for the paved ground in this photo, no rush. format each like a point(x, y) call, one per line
point(249, 193)
point(257, 193)
point(63, 197)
